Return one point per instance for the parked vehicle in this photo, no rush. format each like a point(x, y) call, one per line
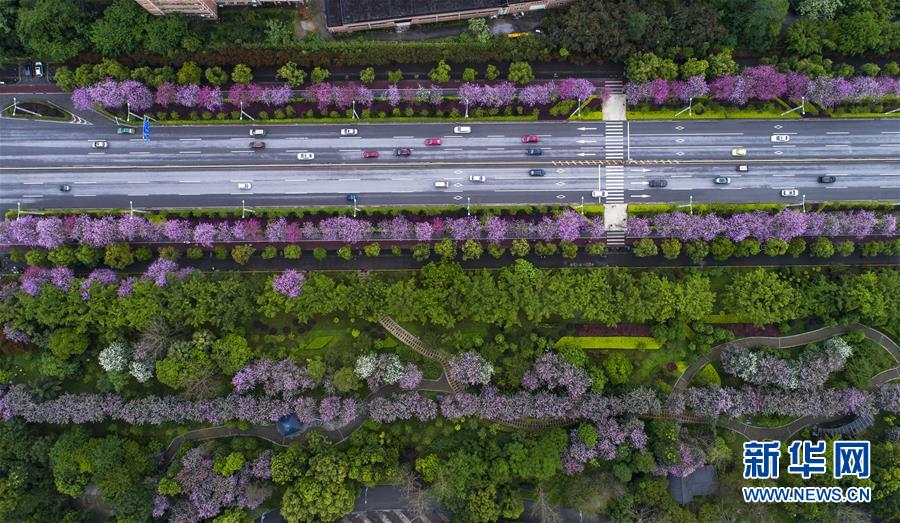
point(827, 179)
point(780, 138)
point(462, 129)
point(245, 186)
point(530, 138)
point(402, 151)
point(743, 168)
point(257, 145)
point(257, 132)
point(370, 154)
point(534, 151)
point(722, 180)
point(598, 194)
point(38, 69)
point(790, 192)
point(349, 132)
point(433, 141)
point(125, 130)
point(305, 156)
point(100, 144)
point(658, 183)
point(65, 187)
point(536, 172)
point(441, 184)
point(352, 198)
point(477, 178)
point(739, 152)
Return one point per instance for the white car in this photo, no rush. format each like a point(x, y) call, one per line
point(789, 192)
point(245, 186)
point(441, 184)
point(305, 156)
point(100, 144)
point(38, 69)
point(462, 129)
point(257, 132)
point(477, 178)
point(739, 152)
point(598, 194)
point(349, 132)
point(780, 138)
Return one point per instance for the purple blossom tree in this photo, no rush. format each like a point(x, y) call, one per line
point(469, 368)
point(186, 95)
point(576, 89)
point(165, 93)
point(393, 95)
point(159, 271)
point(289, 283)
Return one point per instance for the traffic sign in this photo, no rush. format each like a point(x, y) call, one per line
point(146, 129)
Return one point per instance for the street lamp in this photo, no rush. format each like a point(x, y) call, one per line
point(582, 205)
point(467, 108)
point(245, 210)
point(468, 213)
point(803, 202)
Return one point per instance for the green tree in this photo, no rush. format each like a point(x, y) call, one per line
point(763, 297)
point(109, 68)
point(372, 249)
point(242, 74)
point(754, 23)
point(319, 75)
point(395, 76)
point(228, 465)
point(469, 74)
point(292, 74)
point(671, 248)
point(496, 250)
point(64, 77)
point(346, 381)
point(796, 247)
point(870, 69)
point(446, 249)
point(63, 255)
point(216, 75)
point(36, 258)
point(120, 30)
point(617, 368)
point(520, 73)
point(846, 248)
point(694, 67)
point(344, 252)
point(53, 30)
point(569, 249)
point(279, 33)
point(118, 255)
point(821, 248)
point(644, 247)
point(595, 248)
point(471, 250)
point(479, 30)
point(746, 247)
point(440, 73)
point(805, 37)
point(646, 66)
point(775, 247)
point(367, 75)
point(819, 9)
point(164, 34)
point(64, 343)
point(722, 248)
point(491, 72)
point(519, 248)
point(421, 252)
point(292, 252)
point(189, 73)
point(721, 64)
point(861, 32)
point(231, 353)
point(891, 69)
point(696, 250)
point(241, 254)
point(87, 255)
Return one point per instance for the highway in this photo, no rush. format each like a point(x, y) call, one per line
point(201, 165)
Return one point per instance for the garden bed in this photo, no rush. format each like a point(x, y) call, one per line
point(706, 109)
point(611, 342)
point(45, 110)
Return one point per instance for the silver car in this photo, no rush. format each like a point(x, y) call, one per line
point(477, 178)
point(789, 192)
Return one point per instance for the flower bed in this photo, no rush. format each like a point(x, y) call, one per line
point(612, 342)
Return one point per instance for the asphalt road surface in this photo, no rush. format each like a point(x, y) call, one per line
point(201, 166)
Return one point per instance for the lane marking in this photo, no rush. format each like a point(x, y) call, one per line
point(691, 134)
point(837, 132)
point(190, 152)
point(243, 151)
point(96, 153)
point(137, 195)
point(295, 179)
point(190, 181)
point(496, 136)
point(189, 139)
point(32, 196)
point(139, 152)
point(32, 183)
point(136, 181)
point(838, 145)
point(349, 179)
point(84, 195)
point(403, 137)
point(82, 183)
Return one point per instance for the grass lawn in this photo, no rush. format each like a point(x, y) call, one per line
point(612, 342)
point(712, 110)
point(864, 115)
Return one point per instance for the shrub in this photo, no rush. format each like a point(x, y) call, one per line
point(206, 115)
point(319, 253)
point(775, 247)
point(870, 69)
point(796, 247)
point(440, 73)
point(471, 250)
point(118, 255)
point(169, 253)
point(569, 250)
point(36, 258)
point(64, 255)
point(421, 252)
point(289, 111)
point(520, 73)
point(408, 112)
point(194, 253)
point(846, 248)
point(396, 250)
point(671, 248)
point(520, 248)
point(595, 248)
point(722, 248)
point(263, 115)
point(292, 252)
point(446, 249)
point(241, 74)
point(143, 253)
point(491, 73)
point(395, 76)
point(821, 248)
point(269, 252)
point(345, 252)
point(696, 250)
point(241, 254)
point(221, 252)
point(220, 116)
point(746, 247)
point(545, 249)
point(644, 247)
point(279, 114)
point(319, 75)
point(372, 249)
point(496, 250)
point(469, 74)
point(367, 75)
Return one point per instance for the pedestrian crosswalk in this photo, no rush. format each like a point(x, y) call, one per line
point(614, 86)
point(615, 174)
point(392, 516)
point(615, 237)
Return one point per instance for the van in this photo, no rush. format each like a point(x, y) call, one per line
point(441, 184)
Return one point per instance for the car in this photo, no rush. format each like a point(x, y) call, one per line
point(65, 187)
point(536, 172)
point(789, 192)
point(441, 184)
point(305, 156)
point(257, 132)
point(534, 151)
point(598, 194)
point(370, 154)
point(352, 198)
point(245, 186)
point(257, 145)
point(780, 138)
point(100, 144)
point(349, 132)
point(743, 168)
point(827, 179)
point(722, 180)
point(38, 69)
point(433, 141)
point(740, 151)
point(657, 183)
point(530, 138)
point(477, 178)
point(462, 129)
point(125, 130)
point(402, 151)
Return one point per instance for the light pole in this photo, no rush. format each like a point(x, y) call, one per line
point(467, 108)
point(582, 205)
point(15, 105)
point(468, 213)
point(803, 202)
point(354, 207)
point(245, 210)
point(690, 106)
point(691, 203)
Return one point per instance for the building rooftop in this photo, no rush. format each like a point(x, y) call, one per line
point(702, 482)
point(341, 12)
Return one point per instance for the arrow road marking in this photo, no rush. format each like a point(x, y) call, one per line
point(640, 195)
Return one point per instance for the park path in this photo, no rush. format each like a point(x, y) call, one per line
point(783, 432)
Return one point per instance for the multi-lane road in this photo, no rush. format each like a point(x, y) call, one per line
point(201, 165)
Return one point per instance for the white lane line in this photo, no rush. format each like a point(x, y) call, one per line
point(85, 195)
point(348, 179)
point(137, 182)
point(544, 135)
point(139, 194)
point(403, 137)
point(838, 145)
point(32, 196)
point(837, 132)
point(448, 149)
point(782, 146)
point(296, 192)
point(889, 145)
point(243, 151)
point(783, 175)
point(239, 181)
point(682, 176)
point(882, 174)
point(690, 134)
point(837, 187)
point(295, 179)
point(296, 150)
point(597, 136)
point(350, 150)
point(889, 186)
point(496, 136)
point(189, 152)
point(189, 139)
point(139, 152)
point(82, 183)
point(496, 149)
point(32, 183)
point(890, 132)
point(189, 181)
point(96, 153)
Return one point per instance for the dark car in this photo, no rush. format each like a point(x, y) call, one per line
point(827, 179)
point(536, 172)
point(534, 151)
point(658, 183)
point(257, 145)
point(352, 197)
point(65, 188)
point(402, 151)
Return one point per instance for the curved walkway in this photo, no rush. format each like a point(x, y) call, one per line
point(787, 430)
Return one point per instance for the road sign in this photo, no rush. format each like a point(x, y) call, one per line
point(146, 129)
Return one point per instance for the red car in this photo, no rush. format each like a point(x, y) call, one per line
point(370, 154)
point(529, 139)
point(432, 141)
